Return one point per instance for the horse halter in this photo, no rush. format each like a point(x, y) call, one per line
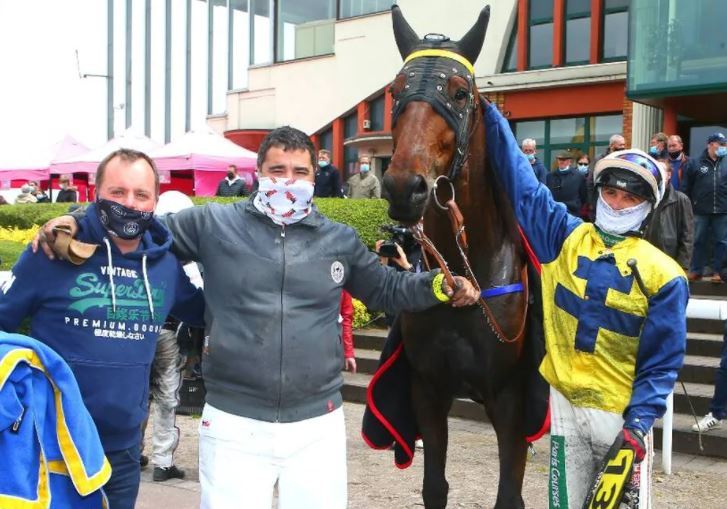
point(427, 72)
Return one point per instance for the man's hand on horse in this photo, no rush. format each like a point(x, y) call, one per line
point(46, 236)
point(464, 294)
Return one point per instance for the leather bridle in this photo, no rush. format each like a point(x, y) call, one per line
point(427, 74)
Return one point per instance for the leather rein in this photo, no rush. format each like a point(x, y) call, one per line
point(464, 129)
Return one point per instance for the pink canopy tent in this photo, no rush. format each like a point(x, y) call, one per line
point(36, 166)
point(88, 162)
point(208, 155)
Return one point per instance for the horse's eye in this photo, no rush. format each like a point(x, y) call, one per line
point(460, 95)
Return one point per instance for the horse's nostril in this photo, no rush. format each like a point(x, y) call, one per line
point(420, 189)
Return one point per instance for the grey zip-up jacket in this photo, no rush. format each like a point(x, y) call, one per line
point(272, 294)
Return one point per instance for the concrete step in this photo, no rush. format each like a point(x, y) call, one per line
point(702, 325)
point(699, 369)
point(683, 439)
point(686, 441)
point(707, 289)
point(699, 343)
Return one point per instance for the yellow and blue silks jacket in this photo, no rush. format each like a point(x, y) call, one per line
point(609, 345)
point(50, 452)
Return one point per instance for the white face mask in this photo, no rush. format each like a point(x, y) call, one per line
point(285, 201)
point(621, 221)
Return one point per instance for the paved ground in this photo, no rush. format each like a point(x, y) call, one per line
point(374, 482)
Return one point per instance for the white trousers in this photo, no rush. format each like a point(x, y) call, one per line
point(241, 460)
point(579, 441)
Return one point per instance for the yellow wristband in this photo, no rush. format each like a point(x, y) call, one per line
point(437, 288)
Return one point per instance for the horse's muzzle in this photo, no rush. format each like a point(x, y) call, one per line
point(407, 195)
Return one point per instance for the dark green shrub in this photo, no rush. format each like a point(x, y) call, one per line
point(365, 216)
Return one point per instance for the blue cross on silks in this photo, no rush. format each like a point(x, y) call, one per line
point(592, 312)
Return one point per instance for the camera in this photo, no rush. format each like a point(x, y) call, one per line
point(397, 235)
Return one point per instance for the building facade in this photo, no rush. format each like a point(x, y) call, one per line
point(568, 73)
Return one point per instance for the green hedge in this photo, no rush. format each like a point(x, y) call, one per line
point(365, 216)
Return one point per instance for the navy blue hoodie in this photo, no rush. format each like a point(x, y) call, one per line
point(103, 318)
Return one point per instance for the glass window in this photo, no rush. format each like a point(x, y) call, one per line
point(350, 154)
point(578, 134)
point(578, 7)
point(325, 140)
point(531, 129)
point(541, 10)
point(376, 113)
point(616, 4)
point(615, 30)
point(510, 63)
point(240, 43)
point(305, 29)
point(541, 45)
point(669, 56)
point(602, 128)
point(540, 52)
point(261, 32)
point(198, 107)
point(578, 40)
point(219, 56)
point(350, 8)
point(567, 130)
point(577, 32)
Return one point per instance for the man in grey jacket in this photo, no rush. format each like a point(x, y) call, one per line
point(274, 271)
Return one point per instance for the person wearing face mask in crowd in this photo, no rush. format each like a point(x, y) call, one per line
point(584, 166)
point(657, 146)
point(232, 184)
point(364, 184)
point(68, 193)
point(567, 184)
point(529, 148)
point(103, 312)
point(272, 363)
point(616, 334)
point(677, 160)
point(328, 178)
point(671, 228)
point(704, 181)
point(38, 192)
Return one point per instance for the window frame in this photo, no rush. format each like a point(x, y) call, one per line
point(605, 12)
point(584, 147)
point(537, 22)
point(511, 48)
point(569, 17)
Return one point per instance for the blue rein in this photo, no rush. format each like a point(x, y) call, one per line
point(501, 290)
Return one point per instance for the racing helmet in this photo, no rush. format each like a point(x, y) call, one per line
point(634, 171)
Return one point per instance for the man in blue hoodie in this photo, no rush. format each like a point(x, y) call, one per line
point(103, 317)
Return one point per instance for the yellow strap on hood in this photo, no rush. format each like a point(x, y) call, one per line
point(442, 53)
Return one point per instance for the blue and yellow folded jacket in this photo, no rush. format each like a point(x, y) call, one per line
point(50, 452)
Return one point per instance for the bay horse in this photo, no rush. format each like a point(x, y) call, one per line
point(439, 153)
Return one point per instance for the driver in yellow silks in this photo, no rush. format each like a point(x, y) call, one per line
point(614, 308)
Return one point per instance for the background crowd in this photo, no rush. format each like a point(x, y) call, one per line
point(690, 224)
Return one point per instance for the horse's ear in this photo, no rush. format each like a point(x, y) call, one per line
point(406, 38)
point(471, 44)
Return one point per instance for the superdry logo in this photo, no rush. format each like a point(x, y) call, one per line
point(92, 292)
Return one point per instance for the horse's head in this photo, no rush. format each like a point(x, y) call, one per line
point(435, 103)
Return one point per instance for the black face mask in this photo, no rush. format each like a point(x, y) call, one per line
point(230, 175)
point(121, 221)
point(676, 154)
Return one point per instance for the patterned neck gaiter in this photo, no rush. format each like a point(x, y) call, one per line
point(284, 201)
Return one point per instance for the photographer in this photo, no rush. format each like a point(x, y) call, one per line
point(401, 251)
